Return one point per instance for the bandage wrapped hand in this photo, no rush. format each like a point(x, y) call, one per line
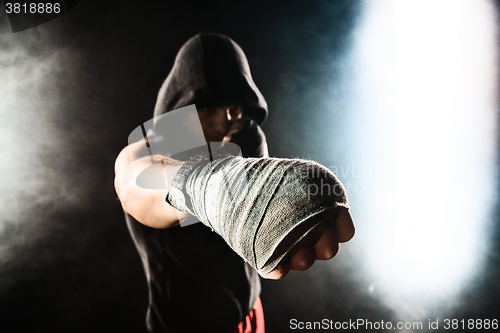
point(262, 207)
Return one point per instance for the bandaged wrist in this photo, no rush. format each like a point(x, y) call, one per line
point(262, 207)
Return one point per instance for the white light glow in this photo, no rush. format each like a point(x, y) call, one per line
point(426, 70)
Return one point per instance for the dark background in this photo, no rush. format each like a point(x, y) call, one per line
point(85, 80)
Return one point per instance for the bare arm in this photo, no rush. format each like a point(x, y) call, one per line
point(149, 207)
point(145, 205)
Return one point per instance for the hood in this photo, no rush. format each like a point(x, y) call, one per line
point(211, 70)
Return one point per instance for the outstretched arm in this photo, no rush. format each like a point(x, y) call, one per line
point(149, 207)
point(145, 205)
point(266, 209)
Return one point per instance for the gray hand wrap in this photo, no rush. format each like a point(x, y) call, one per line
point(260, 206)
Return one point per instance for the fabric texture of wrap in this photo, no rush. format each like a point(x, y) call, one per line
point(262, 207)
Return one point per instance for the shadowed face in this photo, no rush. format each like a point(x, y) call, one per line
point(219, 123)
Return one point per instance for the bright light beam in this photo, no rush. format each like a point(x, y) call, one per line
point(433, 67)
point(444, 78)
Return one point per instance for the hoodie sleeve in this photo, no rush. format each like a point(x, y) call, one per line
point(251, 140)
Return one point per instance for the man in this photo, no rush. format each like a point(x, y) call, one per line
point(196, 281)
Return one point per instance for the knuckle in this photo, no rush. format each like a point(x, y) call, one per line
point(304, 264)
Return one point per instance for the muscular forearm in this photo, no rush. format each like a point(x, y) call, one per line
point(145, 205)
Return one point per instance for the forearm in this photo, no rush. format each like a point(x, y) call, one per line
point(262, 207)
point(148, 206)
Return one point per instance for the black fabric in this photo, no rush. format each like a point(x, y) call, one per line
point(196, 282)
point(251, 140)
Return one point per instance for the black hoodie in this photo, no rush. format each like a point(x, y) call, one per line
point(211, 70)
point(196, 282)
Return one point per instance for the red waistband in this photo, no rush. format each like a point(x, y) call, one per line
point(254, 322)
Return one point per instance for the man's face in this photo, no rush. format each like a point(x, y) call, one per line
point(219, 123)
